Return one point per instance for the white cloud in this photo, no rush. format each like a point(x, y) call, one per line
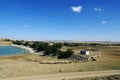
point(26, 26)
point(103, 22)
point(77, 8)
point(97, 9)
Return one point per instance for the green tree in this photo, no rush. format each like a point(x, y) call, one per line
point(17, 42)
point(53, 49)
point(58, 45)
point(66, 54)
point(26, 43)
point(48, 50)
point(39, 46)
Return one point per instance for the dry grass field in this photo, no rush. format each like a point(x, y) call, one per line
point(19, 66)
point(4, 43)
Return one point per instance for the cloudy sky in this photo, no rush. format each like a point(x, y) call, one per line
point(84, 20)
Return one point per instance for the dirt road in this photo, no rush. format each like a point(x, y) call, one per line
point(61, 76)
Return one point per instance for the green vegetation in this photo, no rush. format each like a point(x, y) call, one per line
point(56, 48)
point(39, 46)
point(66, 54)
point(26, 44)
point(53, 50)
point(18, 42)
point(91, 44)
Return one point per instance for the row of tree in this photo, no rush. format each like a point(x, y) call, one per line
point(90, 44)
point(48, 49)
point(71, 44)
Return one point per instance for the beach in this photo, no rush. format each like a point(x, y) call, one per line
point(24, 47)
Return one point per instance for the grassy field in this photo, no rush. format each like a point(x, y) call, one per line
point(18, 65)
point(4, 43)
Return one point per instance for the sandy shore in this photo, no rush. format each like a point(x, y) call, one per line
point(24, 47)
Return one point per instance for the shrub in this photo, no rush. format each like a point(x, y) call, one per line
point(68, 53)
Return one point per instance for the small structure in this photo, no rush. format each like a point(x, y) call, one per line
point(84, 52)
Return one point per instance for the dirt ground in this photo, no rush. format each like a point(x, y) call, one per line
point(65, 76)
point(108, 77)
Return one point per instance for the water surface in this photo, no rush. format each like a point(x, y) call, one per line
point(9, 50)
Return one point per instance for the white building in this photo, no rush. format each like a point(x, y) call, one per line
point(84, 52)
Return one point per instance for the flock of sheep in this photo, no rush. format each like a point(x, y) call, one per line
point(55, 62)
point(50, 62)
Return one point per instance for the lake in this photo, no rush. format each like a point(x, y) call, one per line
point(9, 50)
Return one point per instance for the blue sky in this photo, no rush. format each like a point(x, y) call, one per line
point(84, 20)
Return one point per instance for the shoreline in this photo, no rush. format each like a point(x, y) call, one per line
point(30, 50)
point(27, 49)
